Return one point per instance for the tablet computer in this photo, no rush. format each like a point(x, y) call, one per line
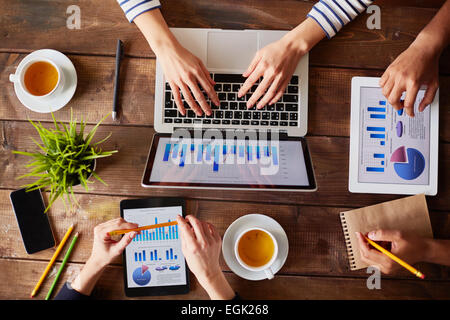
point(153, 261)
point(250, 163)
point(391, 152)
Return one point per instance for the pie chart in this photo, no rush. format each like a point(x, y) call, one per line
point(409, 163)
point(141, 276)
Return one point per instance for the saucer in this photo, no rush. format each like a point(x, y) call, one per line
point(249, 221)
point(62, 95)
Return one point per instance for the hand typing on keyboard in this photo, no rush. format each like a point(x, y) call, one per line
point(185, 72)
point(275, 63)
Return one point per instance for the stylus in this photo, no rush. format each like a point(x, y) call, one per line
point(116, 83)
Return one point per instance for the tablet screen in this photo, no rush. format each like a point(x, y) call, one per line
point(394, 147)
point(230, 163)
point(154, 257)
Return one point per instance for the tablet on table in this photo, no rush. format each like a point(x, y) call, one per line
point(153, 262)
point(391, 152)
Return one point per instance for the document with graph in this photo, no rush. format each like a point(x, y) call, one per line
point(154, 257)
point(388, 147)
point(230, 162)
point(394, 147)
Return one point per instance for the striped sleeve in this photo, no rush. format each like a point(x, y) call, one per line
point(332, 15)
point(133, 8)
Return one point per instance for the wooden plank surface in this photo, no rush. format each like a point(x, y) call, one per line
point(24, 28)
point(316, 241)
point(317, 266)
point(328, 98)
point(20, 280)
point(123, 171)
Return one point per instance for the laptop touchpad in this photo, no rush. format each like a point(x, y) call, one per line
point(231, 50)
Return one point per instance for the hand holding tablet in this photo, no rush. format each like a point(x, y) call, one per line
point(391, 152)
point(202, 245)
point(154, 263)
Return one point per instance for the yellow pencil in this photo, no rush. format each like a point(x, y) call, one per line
point(55, 255)
point(413, 270)
point(153, 226)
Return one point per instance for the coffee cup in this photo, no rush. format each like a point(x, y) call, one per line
point(38, 77)
point(256, 250)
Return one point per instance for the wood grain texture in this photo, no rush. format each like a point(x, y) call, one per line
point(316, 241)
point(24, 28)
point(328, 97)
point(24, 273)
point(317, 266)
point(123, 171)
point(93, 98)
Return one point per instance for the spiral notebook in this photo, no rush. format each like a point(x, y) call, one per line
point(408, 214)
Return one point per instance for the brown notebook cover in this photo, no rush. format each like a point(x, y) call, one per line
point(408, 214)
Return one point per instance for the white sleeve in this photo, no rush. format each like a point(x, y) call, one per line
point(332, 15)
point(133, 8)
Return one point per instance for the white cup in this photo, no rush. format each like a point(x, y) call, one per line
point(267, 267)
point(19, 76)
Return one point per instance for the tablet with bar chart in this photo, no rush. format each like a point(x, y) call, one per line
point(391, 152)
point(227, 163)
point(154, 258)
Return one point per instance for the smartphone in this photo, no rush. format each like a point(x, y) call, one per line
point(34, 226)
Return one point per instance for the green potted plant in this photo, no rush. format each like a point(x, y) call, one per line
point(68, 159)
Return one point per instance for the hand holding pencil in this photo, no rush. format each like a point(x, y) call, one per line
point(411, 249)
point(138, 229)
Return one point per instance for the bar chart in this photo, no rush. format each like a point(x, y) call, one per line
point(377, 111)
point(158, 234)
point(157, 254)
point(393, 147)
point(375, 136)
point(218, 153)
point(378, 134)
point(153, 252)
point(375, 162)
point(140, 256)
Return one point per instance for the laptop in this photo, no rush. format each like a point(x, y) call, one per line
point(238, 148)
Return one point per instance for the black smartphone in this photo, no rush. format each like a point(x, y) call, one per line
point(33, 223)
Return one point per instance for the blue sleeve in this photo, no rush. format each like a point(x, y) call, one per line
point(332, 15)
point(67, 293)
point(133, 8)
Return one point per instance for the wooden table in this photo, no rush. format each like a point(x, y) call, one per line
point(317, 266)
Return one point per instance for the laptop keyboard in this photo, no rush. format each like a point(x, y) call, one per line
point(233, 111)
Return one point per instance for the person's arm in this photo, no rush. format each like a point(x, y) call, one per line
point(182, 70)
point(277, 61)
point(201, 246)
point(104, 250)
point(418, 65)
point(410, 248)
point(438, 252)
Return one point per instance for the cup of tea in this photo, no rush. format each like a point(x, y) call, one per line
point(38, 77)
point(256, 250)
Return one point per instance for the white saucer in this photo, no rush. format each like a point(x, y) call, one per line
point(62, 94)
point(248, 221)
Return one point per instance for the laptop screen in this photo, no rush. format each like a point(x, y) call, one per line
point(229, 163)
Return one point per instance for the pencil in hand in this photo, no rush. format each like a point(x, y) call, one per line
point(153, 226)
point(405, 265)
